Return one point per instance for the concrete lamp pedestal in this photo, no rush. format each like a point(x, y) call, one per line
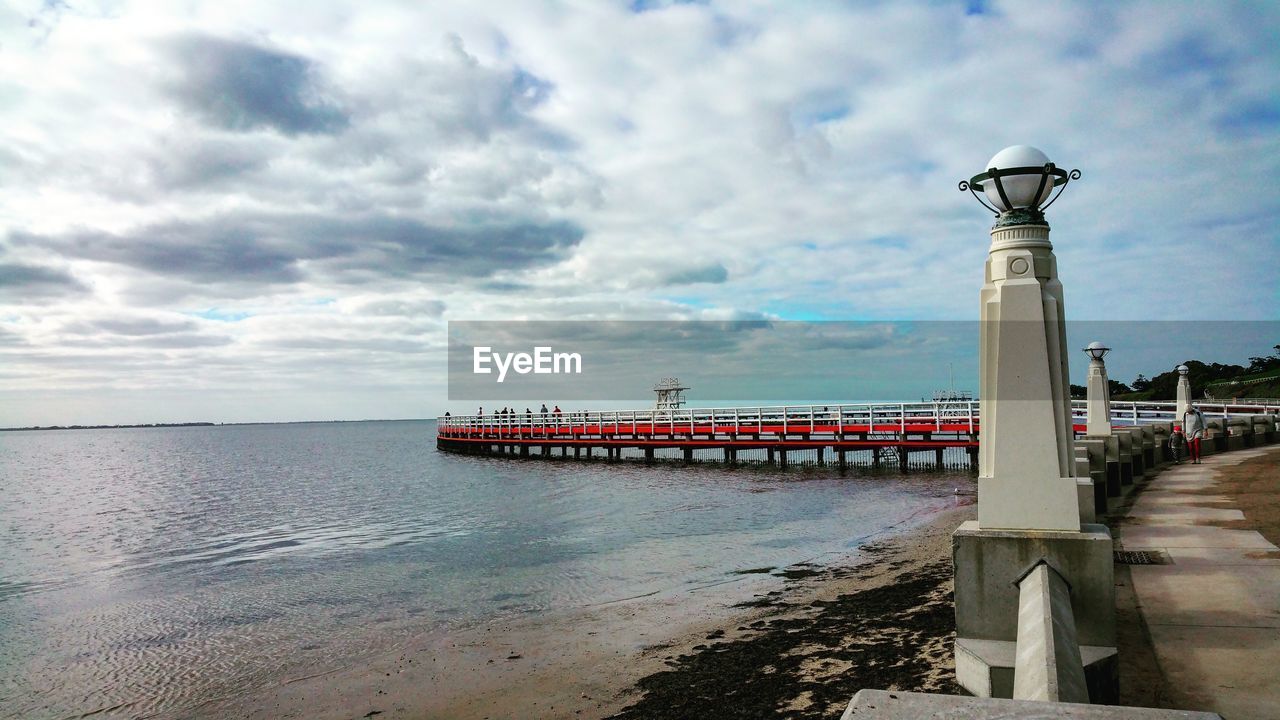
point(1026, 466)
point(988, 564)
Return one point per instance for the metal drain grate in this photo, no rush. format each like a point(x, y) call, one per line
point(1141, 557)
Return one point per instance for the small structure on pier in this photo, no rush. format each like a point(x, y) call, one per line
point(953, 403)
point(670, 394)
point(949, 396)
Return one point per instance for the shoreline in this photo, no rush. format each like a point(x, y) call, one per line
point(634, 658)
point(885, 621)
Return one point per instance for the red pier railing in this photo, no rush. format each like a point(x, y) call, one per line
point(826, 432)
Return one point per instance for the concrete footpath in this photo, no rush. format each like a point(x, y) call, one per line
point(1212, 608)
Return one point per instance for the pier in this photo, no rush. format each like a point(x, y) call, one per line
point(921, 435)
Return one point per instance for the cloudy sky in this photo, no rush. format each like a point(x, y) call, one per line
point(235, 211)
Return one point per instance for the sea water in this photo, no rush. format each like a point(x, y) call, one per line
point(154, 570)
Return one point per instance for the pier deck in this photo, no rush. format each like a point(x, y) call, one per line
point(894, 433)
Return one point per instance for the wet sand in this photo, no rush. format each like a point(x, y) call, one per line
point(799, 646)
point(888, 623)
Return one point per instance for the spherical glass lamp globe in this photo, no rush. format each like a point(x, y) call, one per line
point(1183, 369)
point(1020, 189)
point(1097, 350)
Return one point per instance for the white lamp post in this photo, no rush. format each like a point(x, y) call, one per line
point(1028, 498)
point(1025, 461)
point(1184, 392)
point(1099, 395)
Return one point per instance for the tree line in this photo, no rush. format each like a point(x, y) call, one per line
point(1164, 386)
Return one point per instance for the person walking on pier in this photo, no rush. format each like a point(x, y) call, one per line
point(1177, 441)
point(1193, 427)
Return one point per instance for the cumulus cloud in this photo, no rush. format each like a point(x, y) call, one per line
point(135, 326)
point(239, 198)
point(22, 282)
point(270, 249)
point(242, 86)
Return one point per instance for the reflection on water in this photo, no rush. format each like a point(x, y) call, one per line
point(149, 571)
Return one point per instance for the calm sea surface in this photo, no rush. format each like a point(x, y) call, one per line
point(150, 570)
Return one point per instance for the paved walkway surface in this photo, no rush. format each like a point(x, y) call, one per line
point(1213, 612)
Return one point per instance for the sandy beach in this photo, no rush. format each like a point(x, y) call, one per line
point(794, 642)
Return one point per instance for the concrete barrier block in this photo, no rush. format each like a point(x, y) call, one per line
point(1148, 447)
point(987, 564)
point(1216, 436)
point(1162, 432)
point(1263, 429)
point(1109, 448)
point(1048, 666)
point(1086, 495)
point(1124, 456)
point(1096, 452)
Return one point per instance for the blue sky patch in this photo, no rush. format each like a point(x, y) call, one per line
point(642, 6)
point(220, 315)
point(890, 242)
point(1251, 118)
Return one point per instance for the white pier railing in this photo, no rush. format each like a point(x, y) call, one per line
point(943, 416)
point(865, 417)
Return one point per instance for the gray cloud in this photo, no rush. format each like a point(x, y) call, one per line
point(240, 86)
point(136, 326)
point(138, 332)
point(182, 340)
point(204, 162)
point(713, 273)
point(468, 98)
point(333, 343)
point(403, 308)
point(168, 341)
point(11, 339)
point(399, 247)
point(212, 252)
point(22, 282)
point(272, 248)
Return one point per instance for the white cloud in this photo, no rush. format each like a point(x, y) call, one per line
point(317, 192)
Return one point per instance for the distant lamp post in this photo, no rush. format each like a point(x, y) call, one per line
point(1184, 393)
point(1018, 182)
point(1099, 392)
point(1097, 350)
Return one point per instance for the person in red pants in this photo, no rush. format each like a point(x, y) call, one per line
point(1177, 441)
point(1193, 427)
